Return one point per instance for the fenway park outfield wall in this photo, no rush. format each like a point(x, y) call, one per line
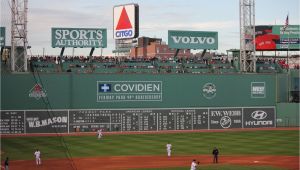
point(92, 91)
point(50, 103)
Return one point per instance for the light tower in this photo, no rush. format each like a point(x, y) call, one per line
point(247, 36)
point(19, 43)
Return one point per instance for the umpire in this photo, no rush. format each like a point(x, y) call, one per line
point(215, 152)
point(6, 164)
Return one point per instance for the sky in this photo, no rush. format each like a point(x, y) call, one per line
point(156, 18)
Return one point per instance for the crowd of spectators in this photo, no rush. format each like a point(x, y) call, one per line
point(99, 62)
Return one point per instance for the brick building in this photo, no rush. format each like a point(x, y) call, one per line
point(154, 47)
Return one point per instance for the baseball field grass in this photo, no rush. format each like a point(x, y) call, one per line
point(229, 143)
point(221, 167)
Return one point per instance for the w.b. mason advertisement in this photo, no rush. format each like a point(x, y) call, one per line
point(46, 121)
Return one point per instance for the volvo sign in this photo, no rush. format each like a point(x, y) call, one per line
point(192, 39)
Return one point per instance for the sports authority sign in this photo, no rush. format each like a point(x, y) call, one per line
point(192, 39)
point(121, 91)
point(126, 21)
point(79, 37)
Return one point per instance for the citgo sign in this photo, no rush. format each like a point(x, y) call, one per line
point(126, 21)
point(192, 39)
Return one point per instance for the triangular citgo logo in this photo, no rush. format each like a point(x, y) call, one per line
point(124, 22)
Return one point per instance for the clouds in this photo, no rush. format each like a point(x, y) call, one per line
point(41, 20)
point(156, 18)
point(211, 26)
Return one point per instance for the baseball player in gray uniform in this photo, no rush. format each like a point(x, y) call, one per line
point(169, 149)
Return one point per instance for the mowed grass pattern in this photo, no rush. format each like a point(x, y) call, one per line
point(229, 143)
point(222, 167)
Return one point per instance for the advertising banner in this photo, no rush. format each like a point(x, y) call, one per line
point(46, 121)
point(259, 117)
point(121, 91)
point(2, 36)
point(225, 118)
point(258, 89)
point(126, 21)
point(277, 37)
point(192, 39)
point(79, 37)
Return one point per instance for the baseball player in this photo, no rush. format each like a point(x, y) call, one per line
point(37, 155)
point(169, 149)
point(194, 164)
point(99, 133)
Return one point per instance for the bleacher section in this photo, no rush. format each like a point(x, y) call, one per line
point(168, 66)
point(268, 66)
point(43, 64)
point(76, 67)
point(141, 66)
point(222, 66)
point(196, 67)
point(105, 67)
point(138, 66)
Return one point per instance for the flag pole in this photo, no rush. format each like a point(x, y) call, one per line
point(288, 65)
point(287, 56)
point(288, 42)
point(287, 60)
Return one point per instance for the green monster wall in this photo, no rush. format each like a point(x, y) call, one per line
point(287, 114)
point(80, 91)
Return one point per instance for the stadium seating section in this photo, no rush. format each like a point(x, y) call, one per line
point(50, 64)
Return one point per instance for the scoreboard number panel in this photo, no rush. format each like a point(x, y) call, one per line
point(117, 120)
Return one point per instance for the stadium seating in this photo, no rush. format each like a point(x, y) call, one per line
point(268, 66)
point(197, 68)
point(141, 66)
point(136, 66)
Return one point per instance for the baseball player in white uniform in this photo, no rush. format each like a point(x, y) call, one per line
point(99, 132)
point(194, 165)
point(169, 149)
point(37, 155)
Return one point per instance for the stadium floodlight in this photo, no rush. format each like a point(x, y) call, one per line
point(247, 36)
point(19, 42)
